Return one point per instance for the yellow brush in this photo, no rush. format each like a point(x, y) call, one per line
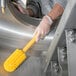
point(18, 56)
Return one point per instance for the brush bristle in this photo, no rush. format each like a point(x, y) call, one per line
point(14, 60)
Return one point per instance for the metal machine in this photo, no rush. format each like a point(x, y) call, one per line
point(53, 56)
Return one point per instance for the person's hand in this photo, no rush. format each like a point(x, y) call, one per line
point(43, 28)
point(20, 8)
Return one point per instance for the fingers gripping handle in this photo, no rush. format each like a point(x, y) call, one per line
point(30, 44)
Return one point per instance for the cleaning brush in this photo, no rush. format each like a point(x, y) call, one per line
point(18, 56)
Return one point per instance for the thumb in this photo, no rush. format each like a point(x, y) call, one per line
point(38, 36)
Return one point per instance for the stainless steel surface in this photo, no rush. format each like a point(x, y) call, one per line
point(3, 3)
point(71, 53)
point(15, 34)
point(68, 22)
point(59, 31)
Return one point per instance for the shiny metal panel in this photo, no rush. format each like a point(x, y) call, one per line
point(14, 34)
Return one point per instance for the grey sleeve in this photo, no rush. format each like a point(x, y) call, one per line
point(63, 3)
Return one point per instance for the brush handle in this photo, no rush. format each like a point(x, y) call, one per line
point(30, 44)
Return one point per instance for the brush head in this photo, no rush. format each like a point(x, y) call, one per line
point(14, 60)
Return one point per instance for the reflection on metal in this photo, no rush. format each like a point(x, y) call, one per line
point(2, 71)
point(3, 5)
point(15, 33)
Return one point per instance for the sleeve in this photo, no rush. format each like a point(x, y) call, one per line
point(63, 3)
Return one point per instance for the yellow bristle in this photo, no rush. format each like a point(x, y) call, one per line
point(14, 60)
